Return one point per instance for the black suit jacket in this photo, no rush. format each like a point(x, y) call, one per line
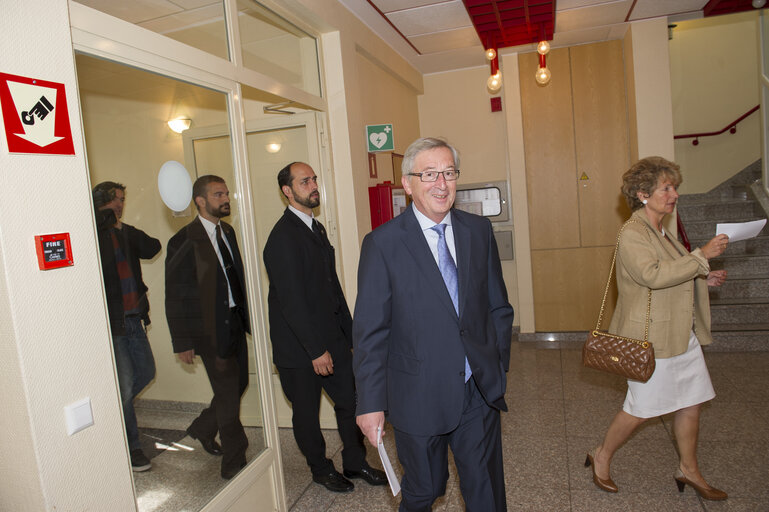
point(307, 305)
point(409, 342)
point(197, 300)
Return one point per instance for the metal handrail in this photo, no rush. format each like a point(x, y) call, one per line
point(732, 127)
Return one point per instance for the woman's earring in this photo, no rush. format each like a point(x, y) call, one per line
point(644, 201)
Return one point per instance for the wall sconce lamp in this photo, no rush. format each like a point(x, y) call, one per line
point(542, 75)
point(180, 124)
point(273, 147)
point(494, 82)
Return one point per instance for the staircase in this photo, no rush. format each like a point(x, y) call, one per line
point(739, 307)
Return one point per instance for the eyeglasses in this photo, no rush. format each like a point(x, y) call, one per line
point(430, 176)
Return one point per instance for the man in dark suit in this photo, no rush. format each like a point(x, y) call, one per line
point(432, 337)
point(208, 316)
point(311, 332)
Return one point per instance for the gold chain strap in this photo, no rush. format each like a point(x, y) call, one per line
point(608, 282)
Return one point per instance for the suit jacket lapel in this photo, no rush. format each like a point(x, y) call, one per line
point(416, 244)
point(301, 227)
point(462, 247)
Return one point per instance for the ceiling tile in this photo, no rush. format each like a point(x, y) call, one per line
point(656, 8)
point(562, 5)
point(448, 40)
point(387, 6)
point(593, 16)
point(433, 18)
point(135, 11)
point(575, 37)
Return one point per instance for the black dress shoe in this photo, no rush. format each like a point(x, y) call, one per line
point(228, 473)
point(370, 475)
point(209, 445)
point(334, 482)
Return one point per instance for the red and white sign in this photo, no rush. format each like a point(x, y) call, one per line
point(35, 116)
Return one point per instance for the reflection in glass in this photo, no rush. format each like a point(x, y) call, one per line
point(125, 114)
point(198, 23)
point(276, 48)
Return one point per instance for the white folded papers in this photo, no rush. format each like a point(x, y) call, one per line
point(395, 486)
point(740, 230)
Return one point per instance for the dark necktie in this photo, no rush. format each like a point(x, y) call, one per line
point(229, 269)
point(449, 273)
point(316, 229)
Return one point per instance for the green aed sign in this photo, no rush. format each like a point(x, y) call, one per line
point(379, 137)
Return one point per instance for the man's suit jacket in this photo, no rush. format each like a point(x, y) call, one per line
point(307, 306)
point(197, 299)
point(678, 280)
point(409, 343)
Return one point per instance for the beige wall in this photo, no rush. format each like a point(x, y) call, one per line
point(54, 322)
point(478, 134)
point(714, 68)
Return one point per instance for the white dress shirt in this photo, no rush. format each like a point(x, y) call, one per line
point(210, 228)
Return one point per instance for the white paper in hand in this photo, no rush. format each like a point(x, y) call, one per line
point(395, 486)
point(741, 230)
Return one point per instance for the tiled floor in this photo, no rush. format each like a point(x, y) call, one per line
point(558, 411)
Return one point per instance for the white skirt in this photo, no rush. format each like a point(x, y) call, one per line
point(677, 382)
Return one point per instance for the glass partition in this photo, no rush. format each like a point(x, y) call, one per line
point(198, 23)
point(274, 47)
point(125, 119)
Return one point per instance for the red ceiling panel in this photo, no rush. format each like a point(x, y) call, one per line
point(503, 23)
point(716, 7)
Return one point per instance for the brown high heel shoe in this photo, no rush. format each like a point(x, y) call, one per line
point(608, 484)
point(708, 493)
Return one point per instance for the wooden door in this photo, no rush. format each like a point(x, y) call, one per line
point(576, 148)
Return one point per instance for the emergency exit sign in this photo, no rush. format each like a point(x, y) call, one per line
point(379, 137)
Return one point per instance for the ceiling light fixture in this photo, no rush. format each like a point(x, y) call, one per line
point(179, 124)
point(494, 82)
point(542, 75)
point(758, 4)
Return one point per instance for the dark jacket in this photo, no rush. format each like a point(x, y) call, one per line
point(197, 300)
point(410, 344)
point(136, 244)
point(307, 306)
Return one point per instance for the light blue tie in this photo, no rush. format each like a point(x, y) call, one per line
point(449, 273)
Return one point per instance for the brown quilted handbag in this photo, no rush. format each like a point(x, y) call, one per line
point(630, 358)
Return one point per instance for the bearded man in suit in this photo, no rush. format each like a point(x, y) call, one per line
point(311, 332)
point(207, 314)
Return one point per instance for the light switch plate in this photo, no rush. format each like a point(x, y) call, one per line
point(78, 415)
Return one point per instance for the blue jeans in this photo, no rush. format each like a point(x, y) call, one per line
point(135, 369)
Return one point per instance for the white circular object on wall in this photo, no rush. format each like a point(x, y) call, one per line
point(175, 185)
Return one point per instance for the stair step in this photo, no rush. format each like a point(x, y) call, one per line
point(740, 340)
point(719, 210)
point(746, 286)
point(745, 312)
point(730, 301)
point(741, 265)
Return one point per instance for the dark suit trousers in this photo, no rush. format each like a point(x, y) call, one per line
point(302, 387)
point(229, 379)
point(477, 447)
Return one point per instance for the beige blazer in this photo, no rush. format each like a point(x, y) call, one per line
point(678, 280)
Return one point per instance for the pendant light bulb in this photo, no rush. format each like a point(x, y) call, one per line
point(543, 47)
point(494, 83)
point(491, 54)
point(542, 76)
